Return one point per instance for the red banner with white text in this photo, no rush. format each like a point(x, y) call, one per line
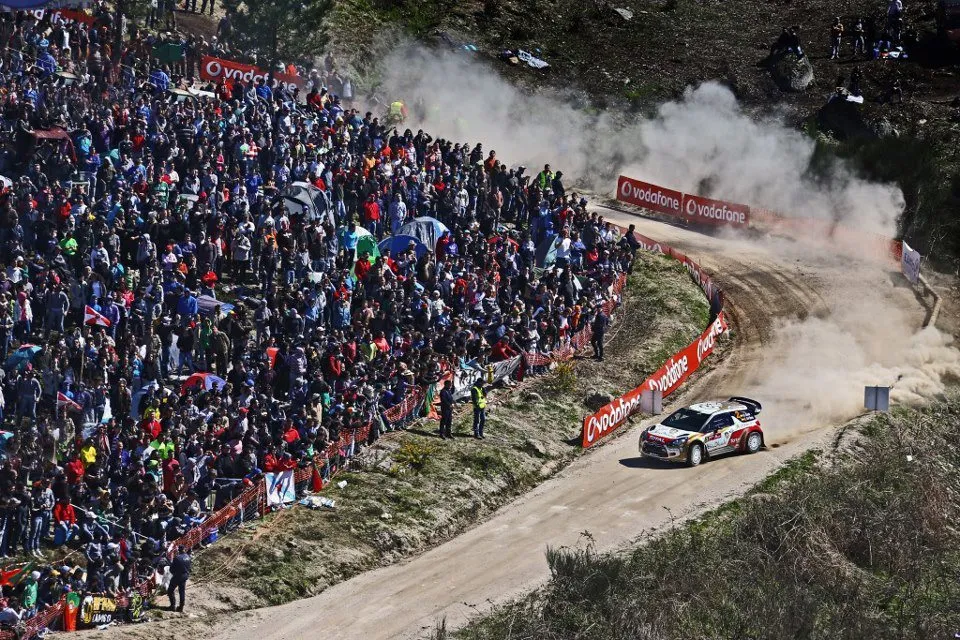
point(667, 379)
point(695, 209)
point(213, 69)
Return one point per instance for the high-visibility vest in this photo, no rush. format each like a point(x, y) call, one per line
point(396, 109)
point(479, 400)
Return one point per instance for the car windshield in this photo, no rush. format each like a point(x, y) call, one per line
point(686, 419)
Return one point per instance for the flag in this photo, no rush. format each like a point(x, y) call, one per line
point(93, 317)
point(64, 401)
point(12, 577)
point(317, 481)
point(272, 355)
point(428, 402)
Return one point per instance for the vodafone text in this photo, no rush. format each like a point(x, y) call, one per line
point(714, 212)
point(652, 196)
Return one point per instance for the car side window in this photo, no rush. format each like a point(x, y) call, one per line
point(718, 422)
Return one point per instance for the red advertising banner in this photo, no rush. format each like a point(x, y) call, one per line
point(650, 196)
point(707, 211)
point(700, 210)
point(667, 379)
point(695, 209)
point(213, 69)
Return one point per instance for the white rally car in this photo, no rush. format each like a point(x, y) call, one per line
point(705, 430)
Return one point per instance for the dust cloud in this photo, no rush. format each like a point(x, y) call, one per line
point(814, 370)
point(868, 333)
point(702, 143)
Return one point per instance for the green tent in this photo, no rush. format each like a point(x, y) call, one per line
point(369, 244)
point(365, 242)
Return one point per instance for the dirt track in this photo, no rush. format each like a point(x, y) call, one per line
point(611, 493)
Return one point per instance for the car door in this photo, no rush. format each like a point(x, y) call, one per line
point(718, 430)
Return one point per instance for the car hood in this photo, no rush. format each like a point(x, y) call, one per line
point(661, 432)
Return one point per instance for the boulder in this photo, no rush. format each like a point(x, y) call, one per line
point(536, 448)
point(532, 397)
point(598, 399)
point(884, 128)
point(843, 120)
point(791, 74)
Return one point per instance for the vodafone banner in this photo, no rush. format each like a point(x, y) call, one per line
point(212, 69)
point(699, 210)
point(680, 366)
point(707, 211)
point(650, 196)
point(667, 379)
point(695, 209)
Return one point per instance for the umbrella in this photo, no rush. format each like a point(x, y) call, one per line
point(367, 244)
point(400, 243)
point(206, 381)
point(209, 278)
point(22, 356)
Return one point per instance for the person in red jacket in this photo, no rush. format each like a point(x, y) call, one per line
point(64, 522)
point(74, 470)
point(362, 267)
point(371, 215)
point(502, 350)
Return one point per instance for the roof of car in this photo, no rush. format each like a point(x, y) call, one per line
point(716, 406)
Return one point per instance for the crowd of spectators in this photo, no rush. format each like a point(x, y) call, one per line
point(147, 206)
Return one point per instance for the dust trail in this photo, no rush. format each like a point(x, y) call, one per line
point(704, 142)
point(869, 335)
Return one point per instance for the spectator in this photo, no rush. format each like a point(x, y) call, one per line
point(479, 400)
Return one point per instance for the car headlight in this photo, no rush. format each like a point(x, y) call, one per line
point(679, 442)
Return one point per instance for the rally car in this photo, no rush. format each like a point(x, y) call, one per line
point(705, 430)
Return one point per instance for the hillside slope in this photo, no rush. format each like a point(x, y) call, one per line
point(858, 543)
point(603, 61)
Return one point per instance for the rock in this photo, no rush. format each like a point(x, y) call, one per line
point(626, 14)
point(598, 399)
point(536, 448)
point(791, 74)
point(884, 128)
point(532, 396)
point(386, 516)
point(844, 120)
point(547, 470)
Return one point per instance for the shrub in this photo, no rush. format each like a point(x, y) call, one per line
point(564, 379)
point(415, 455)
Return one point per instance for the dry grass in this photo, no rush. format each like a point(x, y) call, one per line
point(865, 547)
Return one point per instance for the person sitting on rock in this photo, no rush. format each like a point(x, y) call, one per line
point(781, 44)
point(794, 42)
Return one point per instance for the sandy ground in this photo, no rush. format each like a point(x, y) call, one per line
point(773, 286)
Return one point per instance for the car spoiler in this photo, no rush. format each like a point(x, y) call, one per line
point(753, 405)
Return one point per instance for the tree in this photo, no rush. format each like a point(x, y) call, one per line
point(275, 30)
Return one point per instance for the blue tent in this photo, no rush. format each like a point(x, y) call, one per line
point(400, 243)
point(426, 229)
point(547, 251)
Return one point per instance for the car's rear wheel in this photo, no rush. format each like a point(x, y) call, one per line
point(695, 455)
point(754, 442)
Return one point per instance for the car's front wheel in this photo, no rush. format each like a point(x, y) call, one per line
point(695, 455)
point(754, 442)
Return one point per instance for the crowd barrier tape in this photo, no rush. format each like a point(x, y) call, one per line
point(675, 371)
